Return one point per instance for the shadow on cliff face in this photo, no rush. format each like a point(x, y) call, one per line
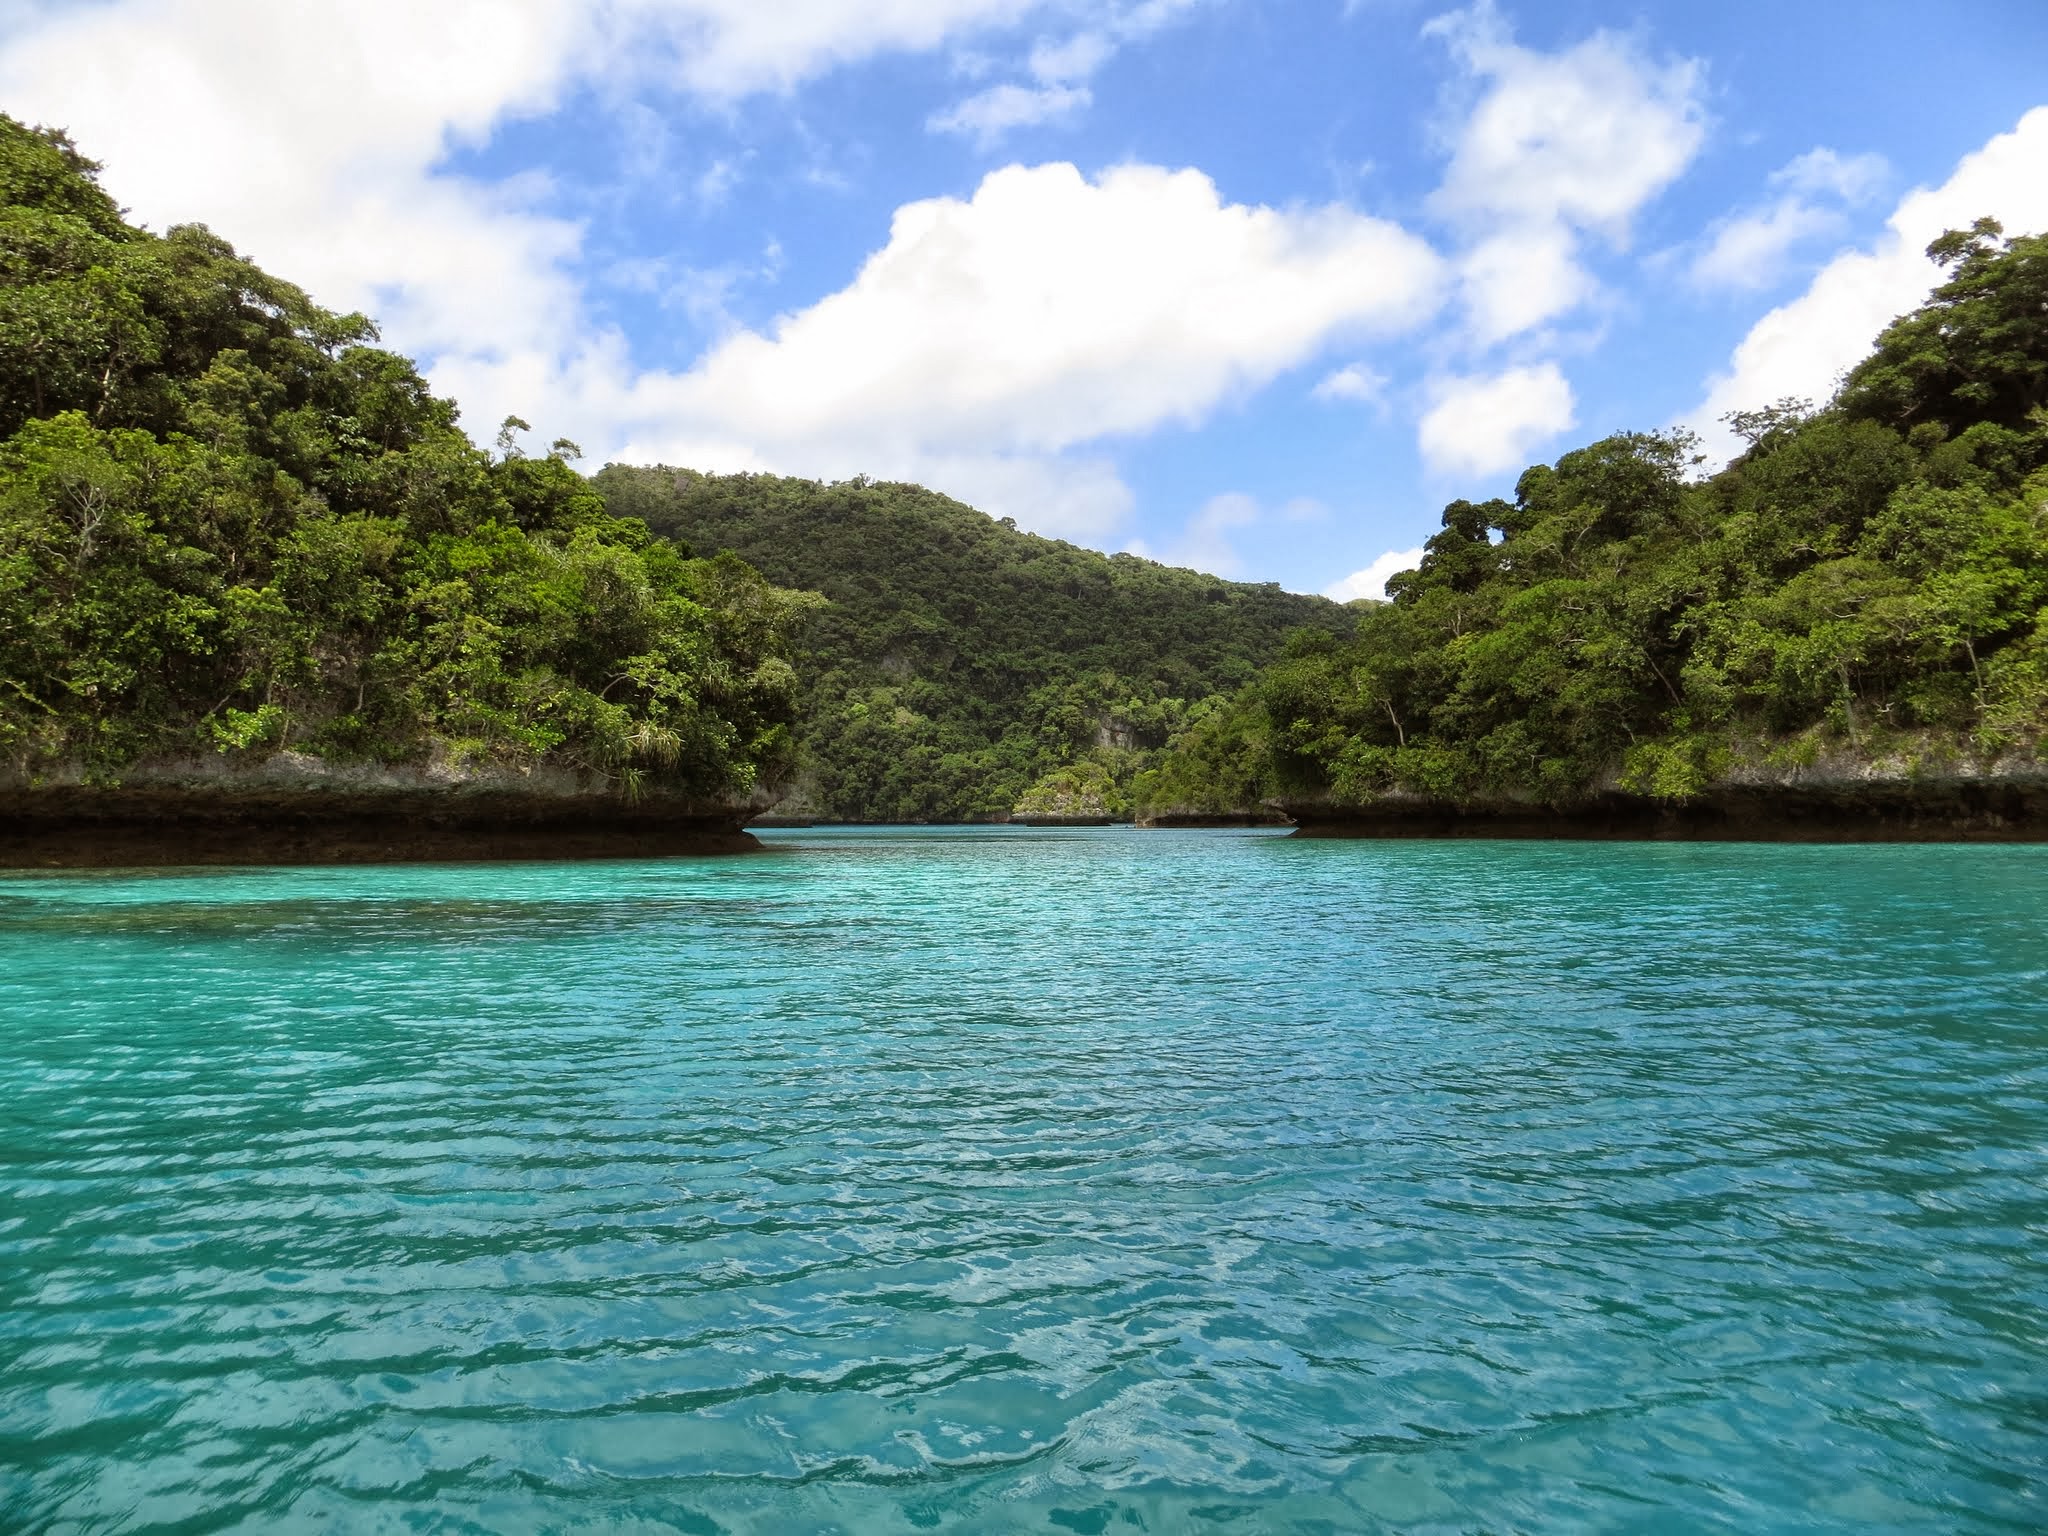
point(77, 827)
point(1896, 811)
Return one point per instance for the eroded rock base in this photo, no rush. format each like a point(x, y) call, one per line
point(1214, 819)
point(74, 827)
point(1895, 813)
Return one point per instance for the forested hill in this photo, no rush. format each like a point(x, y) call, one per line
point(1861, 597)
point(961, 665)
point(234, 532)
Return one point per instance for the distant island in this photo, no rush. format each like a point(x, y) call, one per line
point(961, 670)
point(261, 598)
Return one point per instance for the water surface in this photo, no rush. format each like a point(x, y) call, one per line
point(1093, 1181)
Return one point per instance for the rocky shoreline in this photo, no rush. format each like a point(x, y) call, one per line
point(298, 810)
point(1262, 817)
point(1971, 808)
point(293, 809)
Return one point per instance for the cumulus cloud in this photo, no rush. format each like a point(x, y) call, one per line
point(1557, 146)
point(1802, 348)
point(1044, 314)
point(1749, 249)
point(1514, 281)
point(207, 110)
point(201, 112)
point(1484, 424)
point(990, 345)
point(1586, 136)
point(1371, 582)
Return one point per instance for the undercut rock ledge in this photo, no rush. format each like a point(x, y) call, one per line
point(1990, 808)
point(294, 809)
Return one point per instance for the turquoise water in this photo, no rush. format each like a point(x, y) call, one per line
point(1085, 1181)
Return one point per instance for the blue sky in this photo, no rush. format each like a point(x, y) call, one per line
point(1248, 285)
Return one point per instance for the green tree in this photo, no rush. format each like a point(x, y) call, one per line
point(1868, 577)
point(228, 523)
point(958, 663)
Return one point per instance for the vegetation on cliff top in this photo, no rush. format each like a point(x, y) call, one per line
point(962, 669)
point(1866, 578)
point(231, 524)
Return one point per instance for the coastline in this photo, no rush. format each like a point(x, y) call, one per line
point(298, 811)
point(293, 809)
point(2004, 808)
point(1178, 819)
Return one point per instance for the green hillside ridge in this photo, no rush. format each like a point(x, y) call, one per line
point(1863, 587)
point(233, 529)
point(962, 669)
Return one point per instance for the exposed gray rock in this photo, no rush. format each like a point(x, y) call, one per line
point(292, 808)
point(1792, 806)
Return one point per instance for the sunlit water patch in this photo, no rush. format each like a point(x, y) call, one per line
point(1094, 1181)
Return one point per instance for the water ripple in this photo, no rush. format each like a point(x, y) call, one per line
point(1066, 1180)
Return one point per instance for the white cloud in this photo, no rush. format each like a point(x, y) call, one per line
point(734, 47)
point(987, 115)
point(986, 347)
point(1584, 137)
point(1485, 424)
point(1847, 178)
point(1355, 383)
point(1045, 314)
point(1372, 581)
point(1557, 146)
point(207, 110)
point(1059, 69)
point(705, 294)
point(202, 112)
point(1514, 282)
point(1076, 58)
point(1802, 348)
point(1749, 250)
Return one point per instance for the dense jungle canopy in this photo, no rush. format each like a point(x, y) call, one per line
point(1867, 580)
point(231, 525)
point(961, 669)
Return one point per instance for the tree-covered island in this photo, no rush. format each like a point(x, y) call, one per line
point(253, 577)
point(1841, 633)
point(962, 670)
point(261, 597)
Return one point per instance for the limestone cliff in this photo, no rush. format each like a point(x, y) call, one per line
point(1904, 795)
point(292, 808)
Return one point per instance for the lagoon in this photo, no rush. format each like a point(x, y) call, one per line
point(1090, 1180)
